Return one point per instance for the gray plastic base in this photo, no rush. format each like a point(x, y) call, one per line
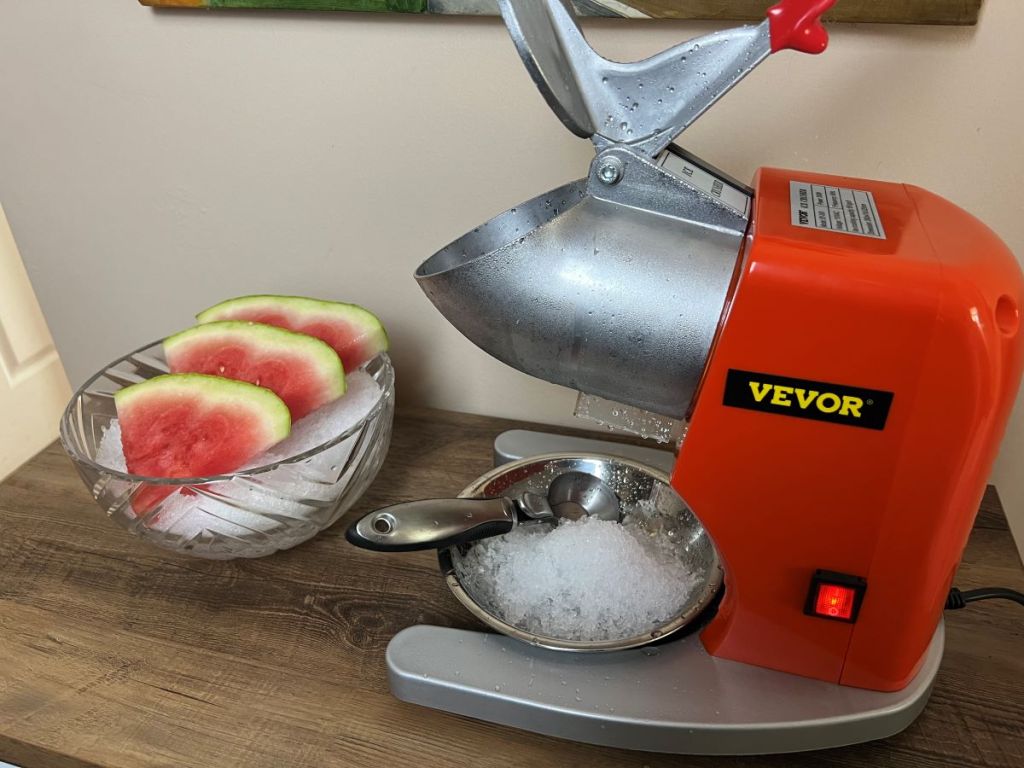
point(671, 698)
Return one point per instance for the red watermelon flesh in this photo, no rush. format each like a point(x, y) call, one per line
point(188, 425)
point(303, 371)
point(355, 333)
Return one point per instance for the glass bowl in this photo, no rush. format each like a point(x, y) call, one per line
point(252, 512)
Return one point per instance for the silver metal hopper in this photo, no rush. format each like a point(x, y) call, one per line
point(593, 293)
point(613, 285)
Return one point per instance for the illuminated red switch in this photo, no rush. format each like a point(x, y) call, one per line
point(835, 596)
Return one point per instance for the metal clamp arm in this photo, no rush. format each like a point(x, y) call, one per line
point(646, 104)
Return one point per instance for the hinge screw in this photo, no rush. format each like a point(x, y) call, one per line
point(610, 171)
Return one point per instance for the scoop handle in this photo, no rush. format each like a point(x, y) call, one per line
point(432, 524)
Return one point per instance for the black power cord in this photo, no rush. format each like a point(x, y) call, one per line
point(958, 599)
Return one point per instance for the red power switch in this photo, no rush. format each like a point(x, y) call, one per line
point(835, 596)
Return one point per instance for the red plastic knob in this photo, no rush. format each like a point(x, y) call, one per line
point(796, 24)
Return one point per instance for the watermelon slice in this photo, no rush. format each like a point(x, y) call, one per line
point(189, 425)
point(355, 333)
point(301, 370)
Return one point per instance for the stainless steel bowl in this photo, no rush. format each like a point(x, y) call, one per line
point(632, 483)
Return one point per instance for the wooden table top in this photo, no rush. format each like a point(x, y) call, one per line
point(115, 653)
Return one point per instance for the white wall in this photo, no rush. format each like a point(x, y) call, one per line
point(152, 163)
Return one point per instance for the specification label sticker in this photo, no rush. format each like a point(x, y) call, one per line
point(836, 209)
point(707, 183)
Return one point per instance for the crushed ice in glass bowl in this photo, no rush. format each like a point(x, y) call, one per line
point(279, 499)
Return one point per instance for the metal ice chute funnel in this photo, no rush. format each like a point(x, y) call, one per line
point(614, 284)
point(606, 297)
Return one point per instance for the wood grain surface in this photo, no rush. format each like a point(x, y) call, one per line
point(114, 653)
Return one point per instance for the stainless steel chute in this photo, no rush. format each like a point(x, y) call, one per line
point(612, 285)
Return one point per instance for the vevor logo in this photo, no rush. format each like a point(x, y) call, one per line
point(804, 399)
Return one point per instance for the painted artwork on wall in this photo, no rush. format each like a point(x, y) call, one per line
point(917, 12)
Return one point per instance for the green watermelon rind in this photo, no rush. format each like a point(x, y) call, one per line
point(215, 391)
point(354, 313)
point(269, 338)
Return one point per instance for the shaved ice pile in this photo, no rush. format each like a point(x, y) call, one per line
point(590, 579)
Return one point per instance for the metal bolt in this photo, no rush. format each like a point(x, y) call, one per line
point(610, 171)
point(383, 524)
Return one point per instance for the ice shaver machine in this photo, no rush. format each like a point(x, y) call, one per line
point(844, 354)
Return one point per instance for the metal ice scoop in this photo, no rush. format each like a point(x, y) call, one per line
point(443, 523)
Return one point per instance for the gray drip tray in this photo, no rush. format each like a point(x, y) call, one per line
point(673, 698)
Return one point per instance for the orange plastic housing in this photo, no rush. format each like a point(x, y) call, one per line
point(929, 314)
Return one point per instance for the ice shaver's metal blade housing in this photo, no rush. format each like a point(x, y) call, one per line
point(614, 285)
point(611, 290)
